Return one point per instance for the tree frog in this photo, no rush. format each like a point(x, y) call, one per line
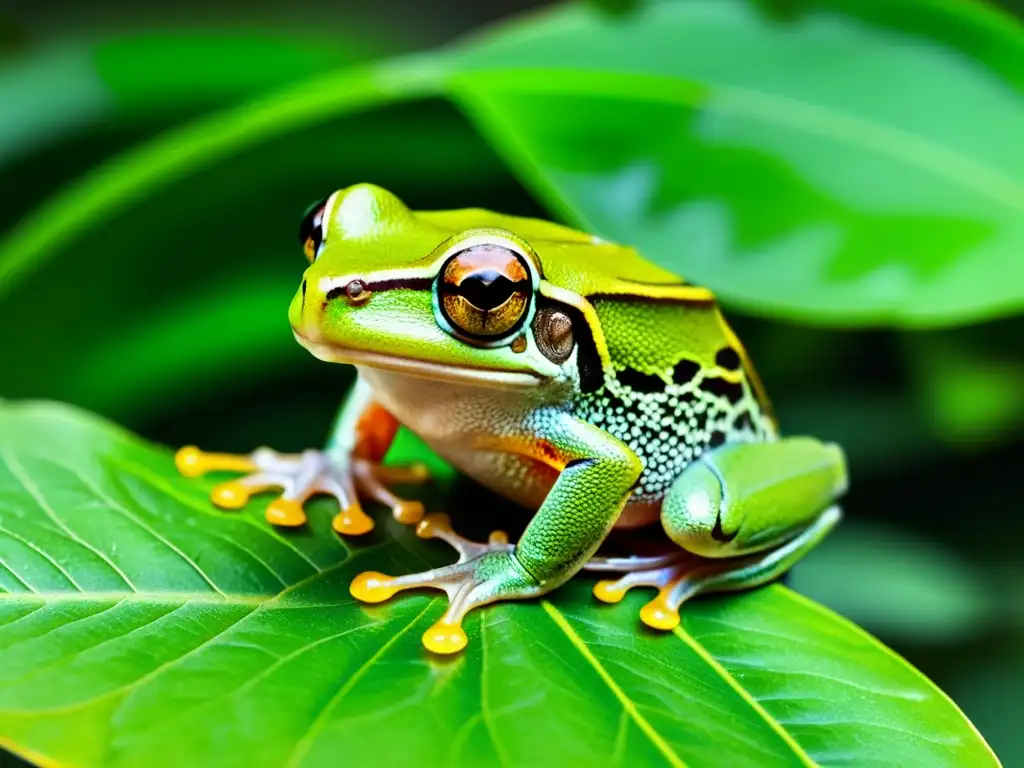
point(561, 370)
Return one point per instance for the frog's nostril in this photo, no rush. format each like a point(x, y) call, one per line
point(355, 292)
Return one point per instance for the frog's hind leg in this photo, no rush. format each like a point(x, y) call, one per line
point(684, 576)
point(742, 515)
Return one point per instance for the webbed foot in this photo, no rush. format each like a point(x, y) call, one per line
point(484, 573)
point(680, 575)
point(301, 476)
point(674, 576)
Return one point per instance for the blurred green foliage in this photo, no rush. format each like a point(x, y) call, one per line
point(838, 172)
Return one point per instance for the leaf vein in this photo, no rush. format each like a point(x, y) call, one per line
point(44, 554)
point(745, 695)
point(627, 704)
point(22, 476)
point(304, 744)
point(167, 488)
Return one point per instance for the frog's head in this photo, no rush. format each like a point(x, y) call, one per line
point(462, 296)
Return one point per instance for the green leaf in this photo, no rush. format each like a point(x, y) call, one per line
point(858, 164)
point(66, 86)
point(140, 625)
point(156, 70)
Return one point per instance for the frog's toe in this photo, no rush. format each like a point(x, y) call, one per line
point(352, 521)
point(438, 525)
point(302, 476)
point(192, 462)
point(407, 474)
point(672, 580)
point(468, 584)
point(371, 479)
point(676, 577)
point(231, 495)
point(285, 512)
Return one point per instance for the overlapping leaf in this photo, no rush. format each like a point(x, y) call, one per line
point(857, 163)
point(138, 625)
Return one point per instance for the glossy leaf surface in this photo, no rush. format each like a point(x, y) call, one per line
point(853, 163)
point(138, 625)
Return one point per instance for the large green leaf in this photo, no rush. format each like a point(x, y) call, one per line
point(138, 625)
point(859, 163)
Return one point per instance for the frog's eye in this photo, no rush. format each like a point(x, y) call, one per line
point(484, 291)
point(311, 232)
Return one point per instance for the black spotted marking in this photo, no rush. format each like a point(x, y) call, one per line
point(684, 371)
point(731, 391)
point(745, 421)
point(615, 402)
point(638, 381)
point(728, 358)
point(717, 438)
point(684, 398)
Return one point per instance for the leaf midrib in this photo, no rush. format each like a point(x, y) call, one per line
point(627, 704)
point(632, 710)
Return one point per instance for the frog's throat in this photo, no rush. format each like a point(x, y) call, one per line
point(484, 377)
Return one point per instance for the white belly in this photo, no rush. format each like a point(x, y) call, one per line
point(463, 424)
point(458, 420)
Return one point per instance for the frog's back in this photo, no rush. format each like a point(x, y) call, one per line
point(677, 382)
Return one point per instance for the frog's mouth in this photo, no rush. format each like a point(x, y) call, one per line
point(483, 377)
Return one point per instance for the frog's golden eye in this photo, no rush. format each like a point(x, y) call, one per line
point(484, 291)
point(311, 232)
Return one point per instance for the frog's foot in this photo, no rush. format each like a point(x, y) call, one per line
point(680, 575)
point(439, 526)
point(672, 575)
point(301, 476)
point(484, 573)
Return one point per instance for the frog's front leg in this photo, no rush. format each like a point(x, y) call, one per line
point(347, 467)
point(743, 514)
point(597, 475)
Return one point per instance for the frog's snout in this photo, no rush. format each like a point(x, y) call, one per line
point(316, 296)
point(307, 308)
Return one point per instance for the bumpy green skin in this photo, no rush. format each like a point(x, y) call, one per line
point(658, 405)
point(583, 505)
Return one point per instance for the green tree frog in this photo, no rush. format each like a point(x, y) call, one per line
point(560, 370)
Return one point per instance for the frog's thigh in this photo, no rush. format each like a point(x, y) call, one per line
point(749, 497)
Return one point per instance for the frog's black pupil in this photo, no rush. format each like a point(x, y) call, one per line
point(487, 289)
